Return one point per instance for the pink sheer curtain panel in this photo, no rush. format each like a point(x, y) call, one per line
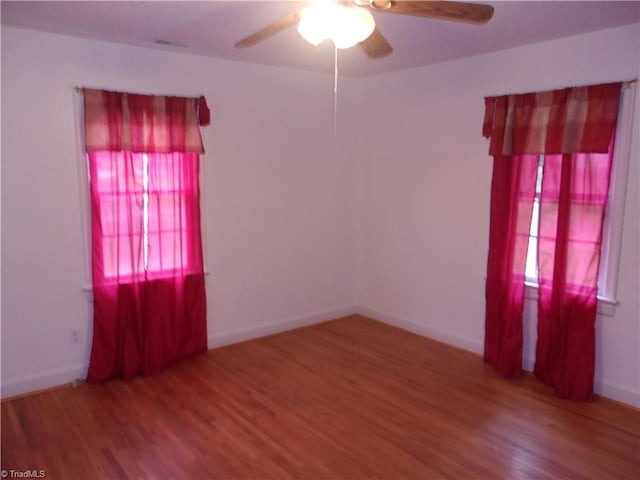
point(513, 188)
point(117, 248)
point(573, 203)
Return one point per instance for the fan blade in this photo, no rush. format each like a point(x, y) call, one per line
point(266, 32)
point(376, 46)
point(454, 11)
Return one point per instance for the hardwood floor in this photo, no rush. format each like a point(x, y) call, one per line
point(347, 399)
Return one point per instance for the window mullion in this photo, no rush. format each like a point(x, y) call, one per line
point(145, 210)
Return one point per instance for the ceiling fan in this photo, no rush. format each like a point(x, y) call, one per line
point(349, 22)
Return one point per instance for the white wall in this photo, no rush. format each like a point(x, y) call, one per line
point(277, 197)
point(393, 218)
point(424, 205)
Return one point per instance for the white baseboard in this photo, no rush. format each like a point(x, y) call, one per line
point(423, 330)
point(41, 381)
point(220, 339)
point(619, 394)
point(59, 377)
point(613, 392)
point(53, 378)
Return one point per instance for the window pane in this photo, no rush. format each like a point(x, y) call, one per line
point(549, 211)
point(167, 212)
point(582, 264)
point(546, 258)
point(590, 179)
point(585, 222)
point(121, 214)
point(531, 270)
point(120, 256)
point(535, 217)
point(110, 256)
point(167, 251)
point(166, 172)
point(117, 172)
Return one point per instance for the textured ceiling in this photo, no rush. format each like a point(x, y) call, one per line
point(212, 28)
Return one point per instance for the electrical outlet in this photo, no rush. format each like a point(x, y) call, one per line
point(74, 336)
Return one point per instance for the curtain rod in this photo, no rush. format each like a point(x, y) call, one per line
point(78, 89)
point(625, 84)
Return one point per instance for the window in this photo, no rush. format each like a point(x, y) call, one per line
point(612, 230)
point(143, 204)
point(573, 128)
point(149, 296)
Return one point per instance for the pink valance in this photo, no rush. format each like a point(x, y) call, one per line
point(571, 120)
point(117, 121)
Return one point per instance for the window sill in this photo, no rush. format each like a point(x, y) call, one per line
point(89, 288)
point(606, 306)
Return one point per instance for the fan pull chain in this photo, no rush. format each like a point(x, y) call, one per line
point(335, 92)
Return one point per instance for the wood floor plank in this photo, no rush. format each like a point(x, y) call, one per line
point(346, 399)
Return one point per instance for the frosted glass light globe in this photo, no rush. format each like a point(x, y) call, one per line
point(317, 22)
point(353, 25)
point(346, 26)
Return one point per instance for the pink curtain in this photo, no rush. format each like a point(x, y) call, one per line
point(148, 279)
point(574, 129)
point(573, 202)
point(571, 120)
point(513, 188)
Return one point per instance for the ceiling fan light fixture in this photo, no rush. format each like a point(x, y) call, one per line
point(353, 25)
point(316, 23)
point(346, 26)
